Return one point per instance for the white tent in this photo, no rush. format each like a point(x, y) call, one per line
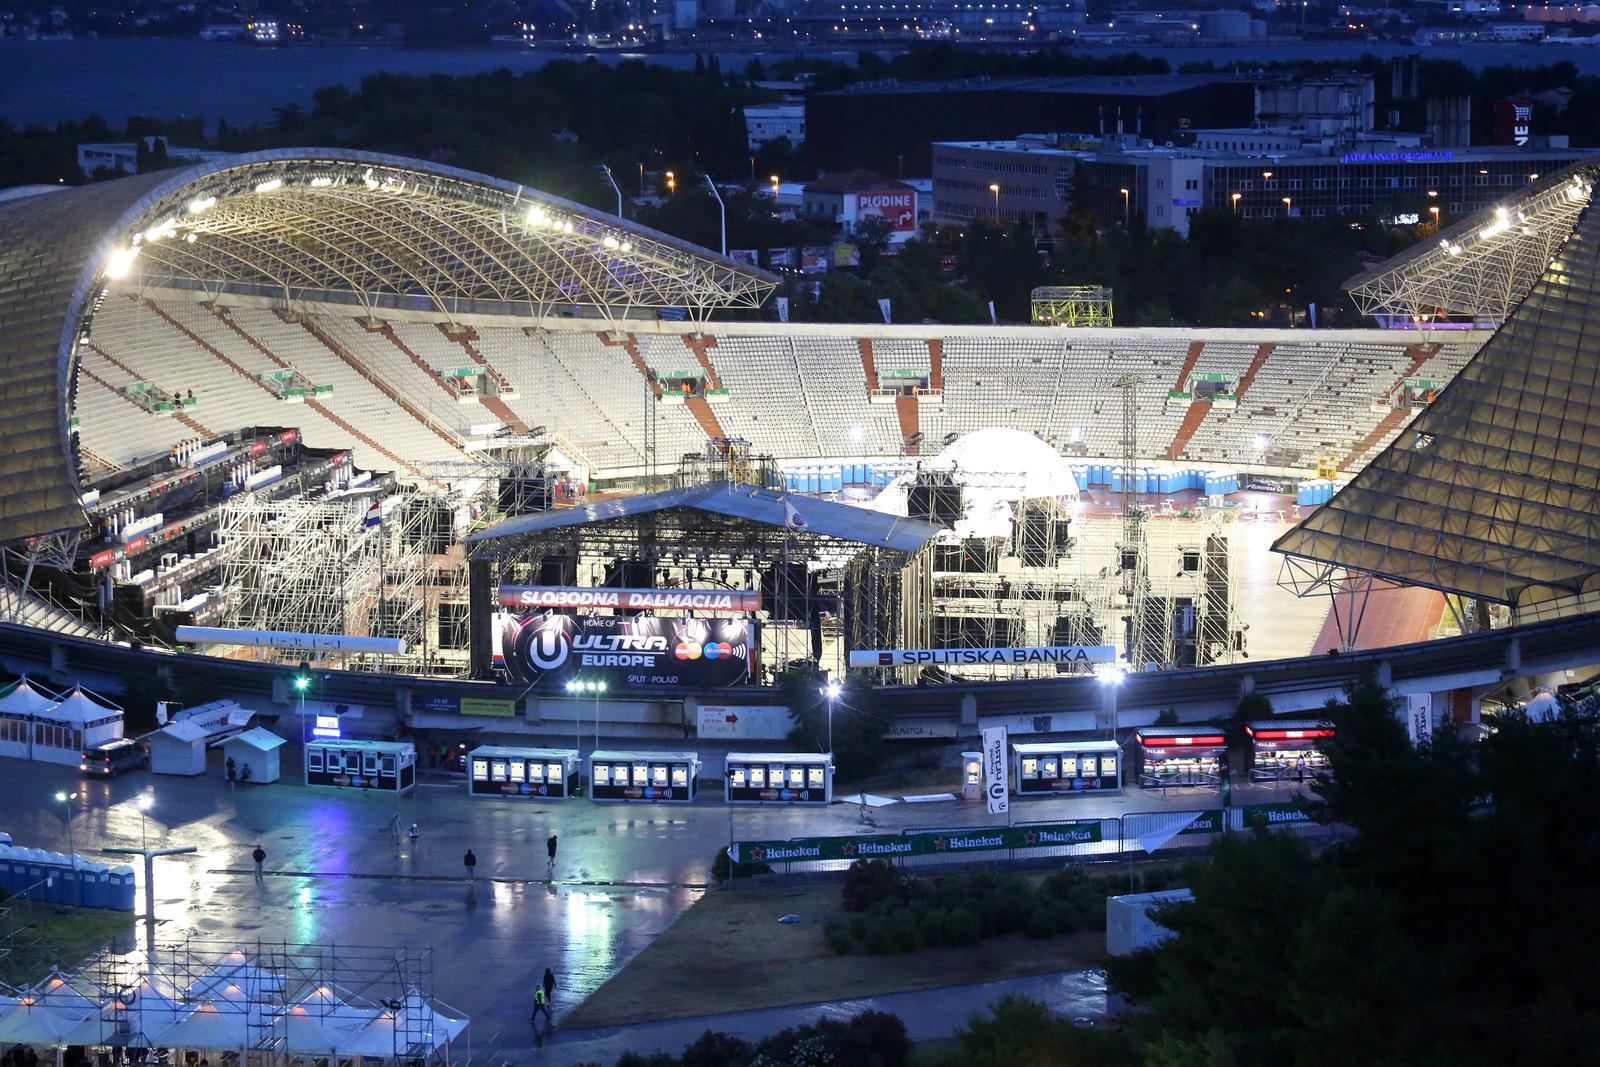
point(21, 703)
point(209, 1027)
point(416, 1029)
point(321, 1020)
point(74, 724)
point(47, 1013)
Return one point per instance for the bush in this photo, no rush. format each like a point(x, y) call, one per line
point(869, 881)
point(839, 938)
point(716, 1049)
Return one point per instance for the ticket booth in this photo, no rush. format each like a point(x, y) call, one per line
point(971, 775)
point(386, 766)
point(526, 773)
point(1284, 750)
point(1180, 755)
point(1066, 767)
point(779, 777)
point(665, 777)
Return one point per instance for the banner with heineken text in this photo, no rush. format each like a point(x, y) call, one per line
point(925, 843)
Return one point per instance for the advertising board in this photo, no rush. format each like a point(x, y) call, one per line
point(979, 657)
point(898, 206)
point(580, 596)
point(624, 652)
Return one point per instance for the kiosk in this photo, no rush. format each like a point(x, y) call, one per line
point(669, 777)
point(387, 766)
point(1056, 767)
point(1180, 755)
point(254, 754)
point(972, 775)
point(779, 777)
point(526, 773)
point(1284, 750)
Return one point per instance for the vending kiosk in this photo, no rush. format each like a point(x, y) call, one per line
point(1065, 767)
point(779, 777)
point(1180, 755)
point(971, 775)
point(664, 777)
point(524, 773)
point(387, 766)
point(1287, 750)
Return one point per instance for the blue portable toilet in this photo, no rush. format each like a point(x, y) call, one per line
point(96, 879)
point(5, 868)
point(122, 892)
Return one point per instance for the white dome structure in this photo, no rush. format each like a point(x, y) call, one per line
point(994, 468)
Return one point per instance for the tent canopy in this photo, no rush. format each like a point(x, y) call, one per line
point(79, 710)
point(23, 699)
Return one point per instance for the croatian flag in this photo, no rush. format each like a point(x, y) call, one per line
point(374, 514)
point(792, 518)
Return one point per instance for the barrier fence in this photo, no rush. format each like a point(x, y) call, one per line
point(1081, 840)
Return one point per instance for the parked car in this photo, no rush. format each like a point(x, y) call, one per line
point(114, 757)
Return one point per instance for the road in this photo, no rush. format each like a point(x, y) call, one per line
point(334, 875)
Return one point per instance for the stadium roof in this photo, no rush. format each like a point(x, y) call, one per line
point(821, 518)
point(1493, 491)
point(1483, 265)
point(305, 224)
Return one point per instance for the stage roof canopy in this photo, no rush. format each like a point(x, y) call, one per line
point(805, 516)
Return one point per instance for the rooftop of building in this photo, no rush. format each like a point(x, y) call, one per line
point(850, 181)
point(1375, 148)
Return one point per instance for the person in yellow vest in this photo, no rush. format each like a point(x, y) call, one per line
point(540, 1003)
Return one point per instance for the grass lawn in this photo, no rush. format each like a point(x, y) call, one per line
point(35, 937)
point(729, 953)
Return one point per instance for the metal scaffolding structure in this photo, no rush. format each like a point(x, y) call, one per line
point(316, 565)
point(275, 1004)
point(1072, 305)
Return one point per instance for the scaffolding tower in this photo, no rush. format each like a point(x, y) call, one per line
point(320, 565)
point(1072, 305)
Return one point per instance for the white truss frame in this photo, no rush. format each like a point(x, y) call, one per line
point(378, 231)
point(1484, 265)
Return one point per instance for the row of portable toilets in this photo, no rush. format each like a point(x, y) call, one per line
point(1155, 479)
point(1315, 491)
point(833, 477)
point(54, 878)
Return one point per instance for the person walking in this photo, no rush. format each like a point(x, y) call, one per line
point(549, 985)
point(1300, 769)
point(471, 863)
point(540, 1003)
point(550, 849)
point(232, 771)
point(260, 856)
point(394, 829)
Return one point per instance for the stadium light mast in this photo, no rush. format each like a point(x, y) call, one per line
point(607, 172)
point(721, 209)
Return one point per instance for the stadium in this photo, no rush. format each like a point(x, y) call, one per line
point(439, 434)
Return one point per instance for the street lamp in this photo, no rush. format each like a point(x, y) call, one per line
point(1266, 175)
point(1433, 209)
point(143, 802)
point(1288, 207)
point(585, 686)
point(672, 183)
point(1235, 198)
point(831, 691)
point(1125, 219)
point(774, 181)
point(65, 800)
point(995, 189)
point(1111, 677)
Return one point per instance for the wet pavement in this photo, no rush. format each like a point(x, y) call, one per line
point(334, 874)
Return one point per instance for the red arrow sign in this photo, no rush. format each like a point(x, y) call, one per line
point(730, 718)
